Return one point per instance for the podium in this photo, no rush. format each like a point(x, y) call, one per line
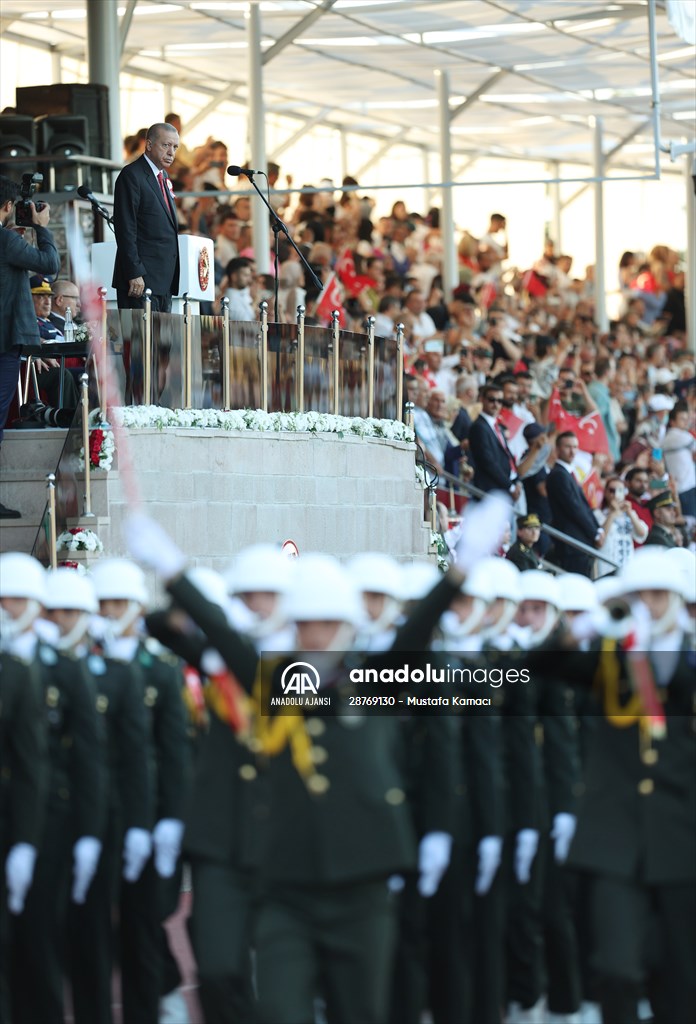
point(196, 271)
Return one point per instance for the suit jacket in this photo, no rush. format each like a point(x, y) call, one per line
point(491, 460)
point(18, 259)
point(146, 231)
point(569, 507)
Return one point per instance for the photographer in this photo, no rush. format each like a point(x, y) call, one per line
point(18, 324)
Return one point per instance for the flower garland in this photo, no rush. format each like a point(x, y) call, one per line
point(438, 542)
point(141, 417)
point(101, 450)
point(79, 539)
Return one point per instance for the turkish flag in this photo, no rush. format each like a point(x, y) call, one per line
point(589, 429)
point(351, 281)
point(592, 488)
point(512, 423)
point(330, 299)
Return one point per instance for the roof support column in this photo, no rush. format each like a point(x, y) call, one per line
point(690, 283)
point(427, 192)
point(103, 50)
point(450, 275)
point(257, 138)
point(554, 188)
point(599, 281)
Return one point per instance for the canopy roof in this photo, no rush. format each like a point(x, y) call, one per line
point(526, 76)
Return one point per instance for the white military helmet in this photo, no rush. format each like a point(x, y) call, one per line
point(261, 567)
point(493, 578)
point(536, 585)
point(374, 572)
point(377, 573)
point(650, 569)
point(321, 590)
point(576, 593)
point(684, 561)
point(65, 588)
point(418, 579)
point(22, 576)
point(117, 579)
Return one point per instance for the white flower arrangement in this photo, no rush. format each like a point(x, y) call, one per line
point(139, 417)
point(79, 539)
point(86, 331)
point(438, 542)
point(77, 567)
point(102, 448)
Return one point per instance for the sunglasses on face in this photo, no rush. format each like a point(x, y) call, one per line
point(495, 401)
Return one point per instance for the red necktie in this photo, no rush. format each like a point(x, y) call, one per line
point(163, 190)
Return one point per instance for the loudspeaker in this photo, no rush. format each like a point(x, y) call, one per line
point(62, 135)
point(90, 101)
point(17, 140)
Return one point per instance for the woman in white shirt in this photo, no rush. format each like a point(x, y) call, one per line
point(621, 525)
point(679, 449)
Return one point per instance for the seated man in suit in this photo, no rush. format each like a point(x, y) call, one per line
point(64, 295)
point(570, 508)
point(49, 372)
point(494, 464)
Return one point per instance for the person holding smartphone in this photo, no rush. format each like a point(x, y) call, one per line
point(622, 526)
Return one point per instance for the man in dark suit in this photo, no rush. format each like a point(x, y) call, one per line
point(17, 318)
point(570, 508)
point(145, 224)
point(494, 464)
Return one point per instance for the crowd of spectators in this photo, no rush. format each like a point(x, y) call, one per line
point(516, 350)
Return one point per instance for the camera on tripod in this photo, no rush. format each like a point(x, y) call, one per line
point(23, 211)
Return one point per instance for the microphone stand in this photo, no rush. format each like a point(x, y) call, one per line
point(277, 225)
point(105, 215)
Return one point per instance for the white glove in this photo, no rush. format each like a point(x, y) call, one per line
point(489, 853)
point(137, 847)
point(151, 545)
point(562, 834)
point(434, 854)
point(86, 852)
point(19, 871)
point(396, 883)
point(483, 527)
point(525, 852)
point(167, 836)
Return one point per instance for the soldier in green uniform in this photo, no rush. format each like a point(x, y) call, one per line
point(522, 552)
point(74, 820)
point(663, 509)
point(118, 693)
point(636, 834)
point(149, 896)
point(23, 754)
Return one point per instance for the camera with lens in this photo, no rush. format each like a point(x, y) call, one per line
point(23, 210)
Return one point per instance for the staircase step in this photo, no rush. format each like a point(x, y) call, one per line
point(38, 449)
point(18, 534)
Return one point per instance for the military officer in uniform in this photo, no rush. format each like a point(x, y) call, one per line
point(522, 553)
point(636, 834)
point(23, 746)
point(74, 820)
point(663, 509)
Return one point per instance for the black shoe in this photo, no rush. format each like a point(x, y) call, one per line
point(9, 513)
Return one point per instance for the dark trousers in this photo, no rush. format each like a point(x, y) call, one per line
point(624, 946)
point(141, 913)
point(524, 954)
point(160, 303)
point(39, 933)
point(220, 933)
point(563, 988)
point(409, 978)
point(9, 375)
point(91, 937)
point(489, 918)
point(452, 940)
point(571, 560)
point(334, 941)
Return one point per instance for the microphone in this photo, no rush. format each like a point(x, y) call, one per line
point(84, 193)
point(235, 171)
